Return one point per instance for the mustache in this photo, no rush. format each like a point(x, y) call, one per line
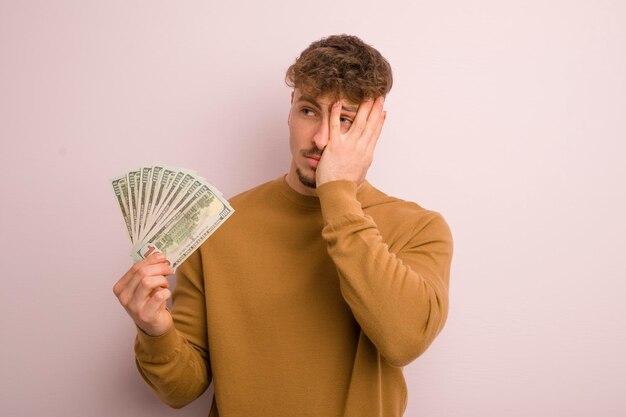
point(314, 151)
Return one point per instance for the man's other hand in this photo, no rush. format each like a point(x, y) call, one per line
point(348, 155)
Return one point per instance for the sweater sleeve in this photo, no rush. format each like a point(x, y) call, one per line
point(399, 299)
point(176, 364)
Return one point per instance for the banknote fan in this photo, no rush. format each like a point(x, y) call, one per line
point(168, 210)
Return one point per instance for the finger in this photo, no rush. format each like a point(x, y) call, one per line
point(155, 304)
point(146, 288)
point(335, 120)
point(374, 115)
point(128, 283)
point(147, 271)
point(150, 260)
point(360, 120)
point(373, 122)
point(376, 135)
point(127, 293)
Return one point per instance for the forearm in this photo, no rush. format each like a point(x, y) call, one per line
point(399, 299)
point(172, 367)
point(176, 364)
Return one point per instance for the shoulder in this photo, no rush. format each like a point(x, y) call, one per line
point(398, 217)
point(376, 201)
point(253, 195)
point(250, 209)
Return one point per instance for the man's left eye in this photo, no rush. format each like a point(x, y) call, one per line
point(345, 120)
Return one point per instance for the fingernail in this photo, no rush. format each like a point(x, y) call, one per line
point(160, 256)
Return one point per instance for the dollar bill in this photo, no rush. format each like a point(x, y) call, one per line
point(133, 189)
point(120, 187)
point(193, 223)
point(165, 180)
point(168, 210)
point(141, 196)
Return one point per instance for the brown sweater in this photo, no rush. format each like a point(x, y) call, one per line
point(305, 306)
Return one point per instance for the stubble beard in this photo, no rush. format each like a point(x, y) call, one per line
point(306, 181)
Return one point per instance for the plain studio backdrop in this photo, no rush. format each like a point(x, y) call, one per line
point(508, 117)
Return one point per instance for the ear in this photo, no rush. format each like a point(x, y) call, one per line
point(292, 97)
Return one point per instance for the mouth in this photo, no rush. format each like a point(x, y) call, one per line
point(313, 160)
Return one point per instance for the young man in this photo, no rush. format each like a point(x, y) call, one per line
point(311, 298)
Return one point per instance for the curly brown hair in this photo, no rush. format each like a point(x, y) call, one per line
point(342, 66)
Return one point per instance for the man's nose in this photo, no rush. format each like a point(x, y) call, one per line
point(321, 135)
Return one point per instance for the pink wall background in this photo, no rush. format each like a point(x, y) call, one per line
point(506, 116)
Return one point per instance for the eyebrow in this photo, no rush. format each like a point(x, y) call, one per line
point(350, 108)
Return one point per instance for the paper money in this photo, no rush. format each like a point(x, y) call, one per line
point(168, 210)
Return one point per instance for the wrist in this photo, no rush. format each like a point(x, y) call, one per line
point(163, 346)
point(326, 178)
point(338, 198)
point(158, 329)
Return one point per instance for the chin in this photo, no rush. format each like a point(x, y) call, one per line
point(305, 180)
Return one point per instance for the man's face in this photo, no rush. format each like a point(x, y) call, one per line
point(309, 127)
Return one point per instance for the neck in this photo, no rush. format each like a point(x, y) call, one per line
point(294, 182)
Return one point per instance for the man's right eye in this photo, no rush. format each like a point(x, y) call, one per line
point(307, 112)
